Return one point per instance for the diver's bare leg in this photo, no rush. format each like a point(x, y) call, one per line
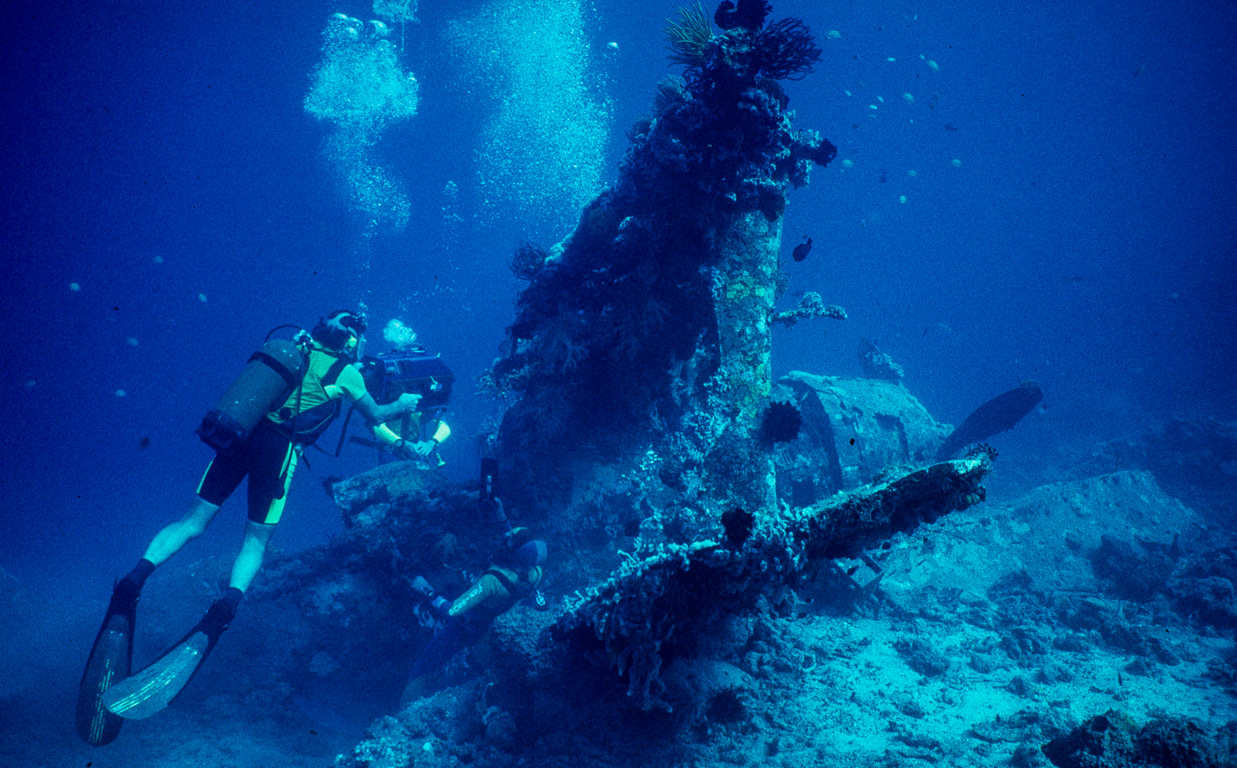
point(253, 548)
point(170, 540)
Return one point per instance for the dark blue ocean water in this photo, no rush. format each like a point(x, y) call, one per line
point(159, 157)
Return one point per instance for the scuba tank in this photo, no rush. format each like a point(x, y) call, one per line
point(268, 379)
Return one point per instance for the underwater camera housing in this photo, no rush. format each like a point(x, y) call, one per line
point(391, 374)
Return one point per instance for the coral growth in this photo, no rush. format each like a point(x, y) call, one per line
point(1114, 739)
point(787, 50)
point(749, 14)
point(689, 36)
point(877, 364)
point(810, 306)
point(671, 93)
point(619, 334)
point(651, 609)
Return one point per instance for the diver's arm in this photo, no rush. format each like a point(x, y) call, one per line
point(424, 448)
point(353, 386)
point(377, 414)
point(387, 436)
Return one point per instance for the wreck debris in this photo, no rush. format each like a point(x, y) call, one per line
point(650, 607)
point(649, 325)
point(852, 430)
point(997, 415)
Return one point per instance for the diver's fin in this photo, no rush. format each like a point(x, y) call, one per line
point(149, 691)
point(110, 659)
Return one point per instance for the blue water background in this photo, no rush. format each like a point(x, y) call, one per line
point(158, 154)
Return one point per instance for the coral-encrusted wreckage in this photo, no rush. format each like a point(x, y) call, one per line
point(647, 329)
point(651, 606)
point(693, 506)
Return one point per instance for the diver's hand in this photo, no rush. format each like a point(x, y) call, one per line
point(421, 585)
point(403, 450)
point(424, 448)
point(408, 401)
point(498, 514)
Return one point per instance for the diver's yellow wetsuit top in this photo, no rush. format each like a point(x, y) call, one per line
point(489, 595)
point(313, 399)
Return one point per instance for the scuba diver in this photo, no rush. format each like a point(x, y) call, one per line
point(512, 576)
point(284, 399)
point(409, 368)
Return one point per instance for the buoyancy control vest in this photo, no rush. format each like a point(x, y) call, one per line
point(305, 425)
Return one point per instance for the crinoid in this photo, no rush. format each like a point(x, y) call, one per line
point(738, 524)
point(527, 260)
point(748, 14)
point(727, 706)
point(780, 423)
point(982, 449)
point(689, 35)
point(787, 50)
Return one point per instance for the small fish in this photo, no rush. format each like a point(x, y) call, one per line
point(144, 444)
point(802, 249)
point(851, 570)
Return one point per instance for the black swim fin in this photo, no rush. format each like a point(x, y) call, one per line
point(111, 657)
point(151, 690)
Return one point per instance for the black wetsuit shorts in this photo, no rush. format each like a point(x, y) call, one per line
point(268, 459)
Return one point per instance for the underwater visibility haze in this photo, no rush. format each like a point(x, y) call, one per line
point(856, 380)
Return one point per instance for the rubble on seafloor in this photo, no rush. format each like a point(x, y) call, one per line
point(992, 634)
point(978, 639)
